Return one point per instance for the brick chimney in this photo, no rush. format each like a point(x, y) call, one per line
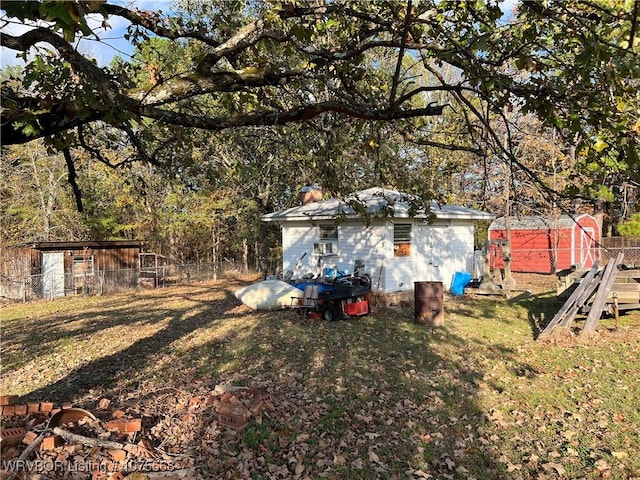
point(310, 194)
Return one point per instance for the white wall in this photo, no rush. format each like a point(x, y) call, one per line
point(298, 238)
point(437, 251)
point(359, 242)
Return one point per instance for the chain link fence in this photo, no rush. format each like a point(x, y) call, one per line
point(552, 260)
point(104, 282)
point(630, 246)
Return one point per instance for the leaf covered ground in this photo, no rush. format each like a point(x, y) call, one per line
point(371, 397)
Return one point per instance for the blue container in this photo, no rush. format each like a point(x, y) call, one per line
point(330, 272)
point(322, 287)
point(460, 281)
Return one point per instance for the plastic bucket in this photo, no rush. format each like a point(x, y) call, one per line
point(460, 281)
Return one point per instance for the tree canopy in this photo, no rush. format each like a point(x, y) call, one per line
point(446, 76)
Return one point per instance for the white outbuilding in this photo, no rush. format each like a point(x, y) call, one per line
point(395, 248)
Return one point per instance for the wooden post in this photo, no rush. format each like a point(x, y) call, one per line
point(608, 277)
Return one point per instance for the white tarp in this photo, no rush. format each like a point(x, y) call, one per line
point(268, 295)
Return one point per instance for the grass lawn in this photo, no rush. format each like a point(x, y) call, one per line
point(372, 397)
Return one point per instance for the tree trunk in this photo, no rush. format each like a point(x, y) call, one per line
point(214, 252)
point(245, 255)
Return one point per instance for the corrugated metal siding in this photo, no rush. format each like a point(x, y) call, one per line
point(104, 258)
point(116, 258)
point(15, 261)
point(21, 261)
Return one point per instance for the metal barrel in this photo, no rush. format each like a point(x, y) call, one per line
point(429, 303)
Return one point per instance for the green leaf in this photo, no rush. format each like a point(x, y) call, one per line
point(600, 145)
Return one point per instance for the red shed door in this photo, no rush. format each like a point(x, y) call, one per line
point(587, 247)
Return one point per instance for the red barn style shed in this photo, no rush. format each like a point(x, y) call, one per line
point(544, 245)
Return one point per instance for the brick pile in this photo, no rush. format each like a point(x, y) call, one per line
point(109, 443)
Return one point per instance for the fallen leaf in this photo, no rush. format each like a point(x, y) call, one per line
point(513, 467)
point(548, 467)
point(450, 463)
point(339, 460)
point(421, 474)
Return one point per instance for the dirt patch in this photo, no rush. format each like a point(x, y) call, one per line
point(535, 282)
point(605, 334)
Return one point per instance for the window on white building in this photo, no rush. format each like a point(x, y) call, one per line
point(328, 241)
point(401, 239)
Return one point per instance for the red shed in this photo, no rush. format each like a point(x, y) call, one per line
point(544, 245)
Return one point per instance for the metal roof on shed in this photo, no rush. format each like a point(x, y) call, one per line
point(536, 223)
point(376, 200)
point(105, 244)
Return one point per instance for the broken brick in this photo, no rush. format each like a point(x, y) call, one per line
point(125, 425)
point(118, 455)
point(49, 443)
point(234, 415)
point(74, 447)
point(29, 438)
point(8, 400)
point(11, 436)
point(46, 407)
